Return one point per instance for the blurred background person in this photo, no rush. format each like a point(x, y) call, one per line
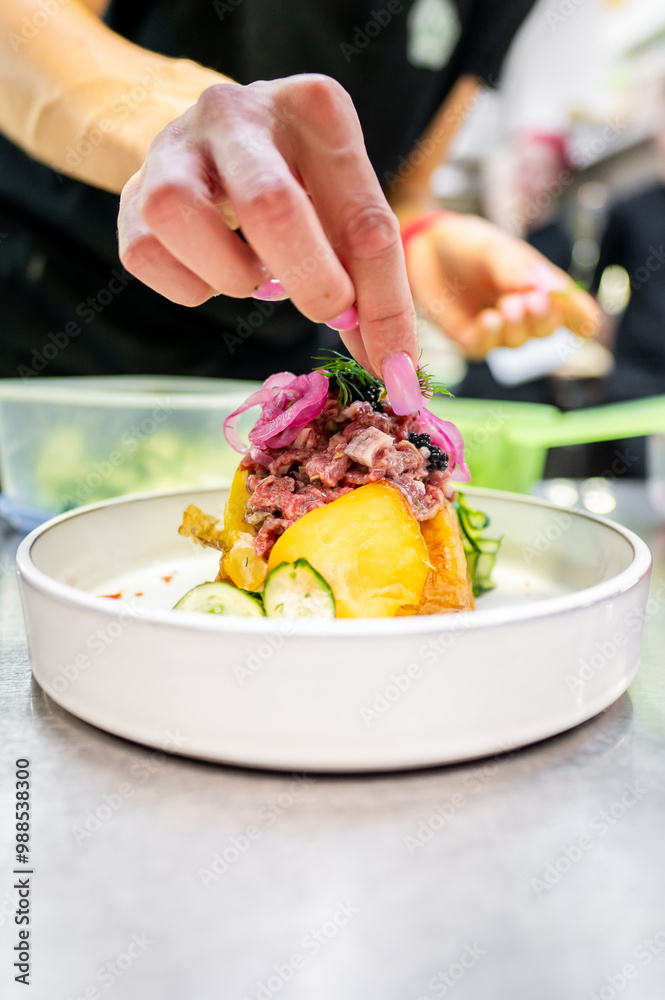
point(590, 74)
point(542, 173)
point(634, 239)
point(523, 192)
point(528, 177)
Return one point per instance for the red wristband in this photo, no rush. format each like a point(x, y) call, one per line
point(420, 224)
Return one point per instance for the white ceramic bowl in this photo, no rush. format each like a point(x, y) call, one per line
point(554, 644)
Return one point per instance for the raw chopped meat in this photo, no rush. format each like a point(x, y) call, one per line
point(365, 446)
point(333, 455)
point(269, 493)
point(328, 467)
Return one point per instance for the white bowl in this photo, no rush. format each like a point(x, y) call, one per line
point(553, 645)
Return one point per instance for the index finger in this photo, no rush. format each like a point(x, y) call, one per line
point(274, 211)
point(365, 233)
point(336, 171)
point(581, 313)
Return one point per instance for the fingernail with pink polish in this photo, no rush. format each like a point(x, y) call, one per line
point(545, 279)
point(513, 309)
point(492, 321)
point(402, 385)
point(347, 320)
point(538, 302)
point(271, 290)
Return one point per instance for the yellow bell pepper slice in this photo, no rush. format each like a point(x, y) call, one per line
point(448, 587)
point(240, 563)
point(368, 547)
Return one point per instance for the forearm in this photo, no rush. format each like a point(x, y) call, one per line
point(77, 96)
point(409, 189)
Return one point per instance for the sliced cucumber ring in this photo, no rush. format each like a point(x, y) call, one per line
point(296, 590)
point(221, 599)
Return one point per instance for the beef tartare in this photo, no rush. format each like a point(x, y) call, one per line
point(354, 440)
point(341, 507)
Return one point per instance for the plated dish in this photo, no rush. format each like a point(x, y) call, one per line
point(342, 506)
point(538, 656)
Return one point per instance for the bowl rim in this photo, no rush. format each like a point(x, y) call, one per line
point(425, 625)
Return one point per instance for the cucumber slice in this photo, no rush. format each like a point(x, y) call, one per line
point(221, 599)
point(296, 590)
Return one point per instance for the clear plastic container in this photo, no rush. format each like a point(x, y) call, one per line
point(655, 462)
point(65, 442)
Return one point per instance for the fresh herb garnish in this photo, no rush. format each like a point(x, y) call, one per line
point(354, 382)
point(480, 552)
point(429, 386)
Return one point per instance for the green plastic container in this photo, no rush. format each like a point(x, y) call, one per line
point(506, 443)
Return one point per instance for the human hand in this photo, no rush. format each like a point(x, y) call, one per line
point(486, 289)
point(286, 162)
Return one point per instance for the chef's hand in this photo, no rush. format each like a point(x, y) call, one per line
point(487, 289)
point(286, 162)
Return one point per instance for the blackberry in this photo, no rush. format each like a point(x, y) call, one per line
point(367, 393)
point(420, 440)
point(438, 459)
point(373, 395)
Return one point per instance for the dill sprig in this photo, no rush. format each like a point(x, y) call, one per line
point(351, 378)
point(428, 384)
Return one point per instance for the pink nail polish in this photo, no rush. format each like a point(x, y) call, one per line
point(271, 290)
point(545, 279)
point(513, 309)
point(538, 302)
point(492, 321)
point(402, 385)
point(347, 320)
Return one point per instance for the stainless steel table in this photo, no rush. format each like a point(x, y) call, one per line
point(539, 875)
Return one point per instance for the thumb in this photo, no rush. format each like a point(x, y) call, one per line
point(580, 312)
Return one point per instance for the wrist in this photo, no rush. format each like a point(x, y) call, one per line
point(410, 208)
point(111, 136)
point(421, 223)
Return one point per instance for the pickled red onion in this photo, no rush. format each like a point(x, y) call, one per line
point(258, 398)
point(447, 437)
point(287, 402)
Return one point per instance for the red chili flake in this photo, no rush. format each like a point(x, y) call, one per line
point(139, 593)
point(167, 579)
point(115, 597)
